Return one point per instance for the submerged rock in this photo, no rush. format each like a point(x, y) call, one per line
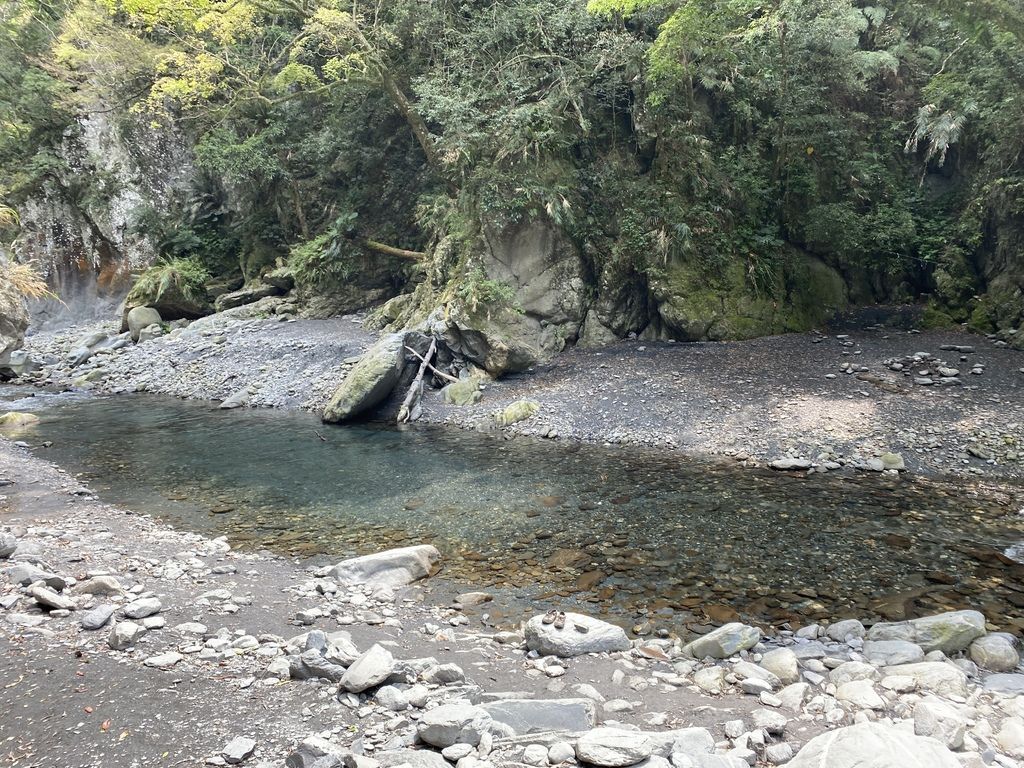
point(599, 637)
point(14, 420)
point(370, 382)
point(873, 745)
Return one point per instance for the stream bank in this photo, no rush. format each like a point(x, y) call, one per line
point(827, 401)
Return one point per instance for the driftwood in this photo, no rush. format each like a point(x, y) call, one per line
point(373, 245)
point(433, 370)
point(405, 413)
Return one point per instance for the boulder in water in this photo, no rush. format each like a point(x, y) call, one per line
point(14, 421)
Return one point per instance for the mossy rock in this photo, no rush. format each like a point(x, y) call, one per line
point(370, 382)
point(177, 290)
point(802, 293)
point(14, 421)
point(92, 376)
point(282, 278)
point(520, 410)
point(462, 392)
point(934, 317)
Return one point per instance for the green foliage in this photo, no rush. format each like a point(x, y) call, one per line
point(479, 293)
point(328, 258)
point(182, 277)
point(708, 137)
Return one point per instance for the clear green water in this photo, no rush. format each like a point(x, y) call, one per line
point(646, 536)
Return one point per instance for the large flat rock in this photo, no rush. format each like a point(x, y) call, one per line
point(600, 637)
point(873, 745)
point(541, 715)
point(947, 632)
point(391, 568)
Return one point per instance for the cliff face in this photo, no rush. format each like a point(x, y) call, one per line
point(86, 227)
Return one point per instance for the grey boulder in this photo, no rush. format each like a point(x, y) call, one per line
point(312, 664)
point(600, 637)
point(8, 544)
point(140, 318)
point(995, 653)
point(369, 670)
point(238, 750)
point(613, 747)
point(887, 653)
point(725, 641)
point(143, 607)
point(96, 618)
point(873, 745)
point(26, 573)
point(392, 568)
point(947, 632)
point(458, 723)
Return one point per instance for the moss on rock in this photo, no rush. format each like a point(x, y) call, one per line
point(462, 392)
point(520, 410)
point(14, 421)
point(795, 296)
point(370, 382)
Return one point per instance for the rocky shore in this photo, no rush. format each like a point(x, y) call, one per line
point(155, 644)
point(870, 398)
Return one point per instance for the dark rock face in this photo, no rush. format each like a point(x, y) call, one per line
point(13, 323)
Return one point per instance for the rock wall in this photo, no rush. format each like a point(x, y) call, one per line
point(86, 227)
point(13, 320)
point(562, 297)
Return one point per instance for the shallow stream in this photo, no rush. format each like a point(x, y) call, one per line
point(656, 539)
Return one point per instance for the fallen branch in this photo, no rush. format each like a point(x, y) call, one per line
point(436, 372)
point(373, 245)
point(416, 388)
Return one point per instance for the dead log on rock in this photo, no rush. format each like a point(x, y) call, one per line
point(405, 412)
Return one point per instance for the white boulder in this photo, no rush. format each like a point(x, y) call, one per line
point(392, 568)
